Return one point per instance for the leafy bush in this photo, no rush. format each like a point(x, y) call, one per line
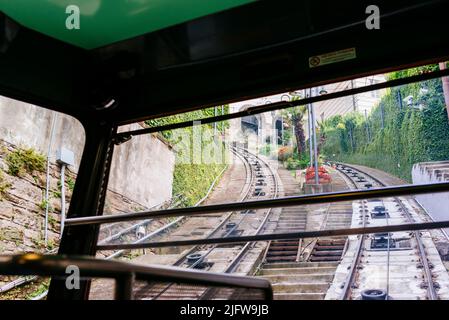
point(265, 149)
point(192, 180)
point(70, 183)
point(394, 136)
point(284, 153)
point(43, 205)
point(25, 160)
point(295, 163)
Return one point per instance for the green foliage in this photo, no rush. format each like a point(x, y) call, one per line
point(408, 135)
point(295, 117)
point(193, 175)
point(43, 205)
point(4, 185)
point(70, 183)
point(25, 160)
point(265, 150)
point(52, 222)
point(194, 180)
point(190, 116)
point(56, 194)
point(40, 289)
point(297, 161)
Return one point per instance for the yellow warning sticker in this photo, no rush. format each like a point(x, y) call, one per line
point(332, 57)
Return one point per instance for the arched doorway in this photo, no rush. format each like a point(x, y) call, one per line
point(250, 124)
point(279, 130)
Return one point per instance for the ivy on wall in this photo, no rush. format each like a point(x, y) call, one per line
point(193, 175)
point(397, 133)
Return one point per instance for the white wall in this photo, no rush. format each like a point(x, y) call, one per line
point(437, 204)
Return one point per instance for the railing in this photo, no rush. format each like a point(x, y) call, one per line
point(124, 273)
point(271, 203)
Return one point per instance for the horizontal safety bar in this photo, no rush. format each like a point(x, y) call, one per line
point(284, 236)
point(270, 203)
point(125, 136)
point(55, 265)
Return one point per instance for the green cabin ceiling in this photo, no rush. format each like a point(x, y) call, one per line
point(106, 21)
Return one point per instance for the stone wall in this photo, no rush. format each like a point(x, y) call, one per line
point(142, 168)
point(141, 174)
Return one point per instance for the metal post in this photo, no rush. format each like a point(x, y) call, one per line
point(354, 103)
point(315, 150)
point(47, 184)
point(87, 200)
point(445, 83)
point(293, 134)
point(222, 123)
point(282, 130)
point(62, 198)
point(215, 123)
point(309, 128)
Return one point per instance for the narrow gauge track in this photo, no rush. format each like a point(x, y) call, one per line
point(357, 177)
point(304, 270)
point(116, 232)
point(261, 183)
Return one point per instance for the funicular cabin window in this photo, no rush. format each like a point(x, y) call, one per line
point(246, 159)
point(40, 152)
point(192, 183)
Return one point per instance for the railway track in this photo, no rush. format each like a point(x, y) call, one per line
point(387, 266)
point(261, 183)
point(304, 270)
point(121, 232)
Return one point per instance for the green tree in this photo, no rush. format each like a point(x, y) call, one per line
point(296, 115)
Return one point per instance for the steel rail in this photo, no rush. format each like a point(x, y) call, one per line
point(162, 229)
point(346, 290)
point(422, 253)
point(241, 254)
point(250, 180)
point(125, 136)
point(249, 245)
point(269, 203)
point(249, 174)
point(155, 233)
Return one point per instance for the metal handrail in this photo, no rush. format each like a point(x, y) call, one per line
point(284, 236)
point(124, 136)
point(270, 203)
point(123, 273)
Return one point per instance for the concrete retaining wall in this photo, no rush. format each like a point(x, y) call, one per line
point(432, 172)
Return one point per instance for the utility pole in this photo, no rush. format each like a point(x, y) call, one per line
point(215, 123)
point(445, 81)
point(309, 127)
point(354, 102)
point(315, 150)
